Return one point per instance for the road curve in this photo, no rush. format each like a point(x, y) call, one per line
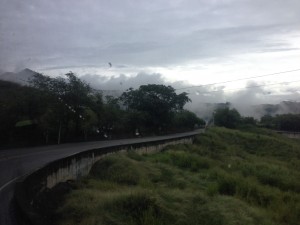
point(16, 163)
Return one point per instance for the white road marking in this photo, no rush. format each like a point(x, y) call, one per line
point(9, 182)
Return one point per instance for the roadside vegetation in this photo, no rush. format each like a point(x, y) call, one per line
point(226, 177)
point(65, 109)
point(231, 118)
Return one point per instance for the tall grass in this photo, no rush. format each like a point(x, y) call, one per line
point(226, 177)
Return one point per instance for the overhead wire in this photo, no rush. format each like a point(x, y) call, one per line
point(230, 81)
point(240, 79)
point(249, 87)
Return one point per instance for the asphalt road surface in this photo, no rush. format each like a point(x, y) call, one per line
point(16, 163)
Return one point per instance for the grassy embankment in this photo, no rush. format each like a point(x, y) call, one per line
point(226, 177)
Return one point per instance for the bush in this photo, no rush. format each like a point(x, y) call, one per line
point(117, 169)
point(183, 160)
point(246, 189)
point(137, 209)
point(227, 185)
point(273, 175)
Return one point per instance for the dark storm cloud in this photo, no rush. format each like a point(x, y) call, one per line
point(43, 33)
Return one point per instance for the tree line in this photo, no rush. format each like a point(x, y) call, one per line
point(283, 122)
point(56, 110)
point(231, 118)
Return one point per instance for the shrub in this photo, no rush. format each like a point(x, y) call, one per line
point(137, 209)
point(212, 189)
point(117, 169)
point(183, 160)
point(227, 185)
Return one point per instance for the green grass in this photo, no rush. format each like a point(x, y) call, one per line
point(226, 177)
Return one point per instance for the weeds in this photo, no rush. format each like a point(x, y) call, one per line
point(230, 177)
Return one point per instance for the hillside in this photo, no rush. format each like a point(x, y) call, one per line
point(225, 177)
point(21, 77)
point(283, 107)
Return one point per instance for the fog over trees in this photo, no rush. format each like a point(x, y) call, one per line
point(62, 109)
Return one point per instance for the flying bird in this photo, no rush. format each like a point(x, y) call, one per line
point(110, 65)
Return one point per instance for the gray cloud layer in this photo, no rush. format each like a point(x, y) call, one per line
point(203, 98)
point(41, 33)
point(58, 34)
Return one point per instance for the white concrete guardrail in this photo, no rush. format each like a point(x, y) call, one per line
point(72, 168)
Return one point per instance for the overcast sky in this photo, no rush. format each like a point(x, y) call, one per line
point(198, 42)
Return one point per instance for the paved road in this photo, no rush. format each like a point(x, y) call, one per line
point(15, 163)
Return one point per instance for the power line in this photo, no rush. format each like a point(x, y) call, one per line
point(247, 78)
point(263, 85)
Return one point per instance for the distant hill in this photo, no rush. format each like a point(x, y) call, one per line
point(283, 107)
point(21, 77)
point(205, 110)
point(25, 75)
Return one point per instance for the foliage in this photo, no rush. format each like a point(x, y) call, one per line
point(220, 179)
point(288, 122)
point(248, 121)
point(68, 101)
point(158, 102)
point(67, 109)
point(17, 104)
point(226, 117)
point(268, 121)
point(115, 169)
point(187, 119)
point(153, 96)
point(284, 122)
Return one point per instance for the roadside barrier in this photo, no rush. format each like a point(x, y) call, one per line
point(74, 167)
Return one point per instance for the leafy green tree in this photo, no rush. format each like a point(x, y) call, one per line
point(226, 117)
point(284, 122)
point(188, 120)
point(111, 121)
point(288, 122)
point(90, 121)
point(268, 121)
point(157, 102)
point(20, 108)
point(248, 120)
point(77, 97)
point(67, 101)
point(137, 120)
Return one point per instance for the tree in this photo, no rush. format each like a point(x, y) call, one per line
point(268, 121)
point(19, 104)
point(67, 100)
point(226, 117)
point(157, 102)
point(288, 122)
point(77, 97)
point(112, 117)
point(90, 121)
point(187, 120)
point(248, 120)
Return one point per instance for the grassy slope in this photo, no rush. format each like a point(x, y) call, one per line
point(226, 177)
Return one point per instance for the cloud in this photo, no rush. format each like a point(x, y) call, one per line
point(198, 41)
point(200, 96)
point(143, 33)
point(122, 82)
point(205, 98)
